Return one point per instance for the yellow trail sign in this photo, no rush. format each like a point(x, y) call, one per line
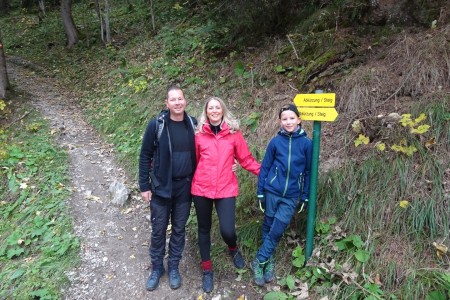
point(318, 113)
point(315, 100)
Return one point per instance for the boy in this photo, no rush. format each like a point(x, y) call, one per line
point(282, 182)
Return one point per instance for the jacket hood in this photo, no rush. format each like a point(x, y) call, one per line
point(224, 128)
point(299, 132)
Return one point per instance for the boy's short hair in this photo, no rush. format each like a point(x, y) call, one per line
point(290, 107)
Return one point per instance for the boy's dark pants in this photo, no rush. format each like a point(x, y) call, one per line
point(177, 210)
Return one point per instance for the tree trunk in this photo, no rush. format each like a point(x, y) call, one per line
point(107, 27)
point(69, 25)
point(4, 82)
point(98, 9)
point(152, 14)
point(4, 7)
point(41, 8)
point(103, 14)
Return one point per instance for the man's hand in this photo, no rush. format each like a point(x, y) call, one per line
point(262, 202)
point(146, 196)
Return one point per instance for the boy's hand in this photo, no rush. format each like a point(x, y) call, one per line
point(303, 205)
point(262, 202)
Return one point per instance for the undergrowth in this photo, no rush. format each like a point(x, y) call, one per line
point(38, 245)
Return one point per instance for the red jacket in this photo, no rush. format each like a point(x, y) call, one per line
point(213, 176)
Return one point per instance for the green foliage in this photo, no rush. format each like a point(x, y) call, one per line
point(252, 120)
point(324, 227)
point(39, 244)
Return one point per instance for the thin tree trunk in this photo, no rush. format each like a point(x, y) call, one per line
point(152, 14)
point(4, 81)
point(107, 27)
point(42, 8)
point(69, 25)
point(98, 9)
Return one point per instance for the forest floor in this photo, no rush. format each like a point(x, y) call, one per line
point(114, 259)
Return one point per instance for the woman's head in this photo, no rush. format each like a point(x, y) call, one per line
point(216, 111)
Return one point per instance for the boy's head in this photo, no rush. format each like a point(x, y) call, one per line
point(290, 107)
point(289, 117)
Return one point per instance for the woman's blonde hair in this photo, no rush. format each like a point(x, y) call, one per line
point(227, 117)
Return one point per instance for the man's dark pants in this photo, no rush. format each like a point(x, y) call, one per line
point(177, 209)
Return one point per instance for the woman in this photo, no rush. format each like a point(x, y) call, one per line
point(218, 142)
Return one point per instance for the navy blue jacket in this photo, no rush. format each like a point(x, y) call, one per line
point(155, 159)
point(286, 167)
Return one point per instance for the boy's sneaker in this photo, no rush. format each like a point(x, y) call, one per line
point(269, 270)
point(208, 281)
point(238, 260)
point(153, 279)
point(258, 272)
point(174, 279)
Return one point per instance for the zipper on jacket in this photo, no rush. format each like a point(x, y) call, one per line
point(289, 166)
point(276, 174)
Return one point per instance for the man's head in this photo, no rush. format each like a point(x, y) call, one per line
point(175, 102)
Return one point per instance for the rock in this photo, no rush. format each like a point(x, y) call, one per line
point(119, 193)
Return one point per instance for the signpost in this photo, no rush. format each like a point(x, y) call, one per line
point(316, 107)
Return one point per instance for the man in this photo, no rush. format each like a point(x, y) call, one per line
point(166, 166)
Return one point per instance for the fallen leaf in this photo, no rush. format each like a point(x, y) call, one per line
point(128, 210)
point(93, 198)
point(441, 249)
point(356, 125)
point(430, 143)
point(403, 204)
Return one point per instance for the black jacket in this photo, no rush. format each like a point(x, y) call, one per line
point(155, 159)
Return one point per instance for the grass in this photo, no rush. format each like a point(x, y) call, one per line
point(38, 245)
point(365, 195)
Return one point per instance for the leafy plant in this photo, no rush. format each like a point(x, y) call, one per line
point(252, 120)
point(34, 221)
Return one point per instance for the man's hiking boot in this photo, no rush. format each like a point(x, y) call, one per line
point(238, 260)
point(153, 279)
point(269, 270)
point(174, 279)
point(208, 281)
point(258, 272)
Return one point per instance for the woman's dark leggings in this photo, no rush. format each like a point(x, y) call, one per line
point(225, 209)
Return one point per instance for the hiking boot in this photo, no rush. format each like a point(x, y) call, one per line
point(208, 281)
point(153, 279)
point(174, 279)
point(269, 270)
point(258, 272)
point(238, 260)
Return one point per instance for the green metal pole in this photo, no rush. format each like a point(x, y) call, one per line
point(313, 187)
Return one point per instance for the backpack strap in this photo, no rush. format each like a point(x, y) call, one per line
point(193, 124)
point(160, 122)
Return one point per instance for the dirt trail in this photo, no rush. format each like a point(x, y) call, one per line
point(114, 240)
